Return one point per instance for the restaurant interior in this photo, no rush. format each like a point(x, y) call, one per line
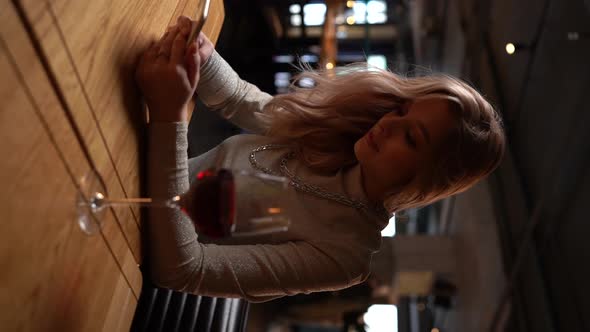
point(508, 254)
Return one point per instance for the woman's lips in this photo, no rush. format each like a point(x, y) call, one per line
point(371, 141)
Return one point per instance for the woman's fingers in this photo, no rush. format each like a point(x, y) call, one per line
point(203, 38)
point(193, 62)
point(166, 43)
point(205, 47)
point(152, 52)
point(185, 24)
point(178, 49)
point(148, 56)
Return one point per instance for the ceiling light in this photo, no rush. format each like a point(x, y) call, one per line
point(510, 48)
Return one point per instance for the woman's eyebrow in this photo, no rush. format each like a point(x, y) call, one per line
point(424, 131)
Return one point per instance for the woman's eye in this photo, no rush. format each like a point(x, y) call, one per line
point(410, 140)
point(402, 110)
point(398, 111)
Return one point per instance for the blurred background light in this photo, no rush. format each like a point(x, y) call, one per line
point(510, 48)
point(381, 318)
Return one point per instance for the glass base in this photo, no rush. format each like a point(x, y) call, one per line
point(90, 216)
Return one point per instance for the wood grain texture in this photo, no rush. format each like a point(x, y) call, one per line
point(40, 17)
point(79, 112)
point(92, 47)
point(58, 125)
point(54, 277)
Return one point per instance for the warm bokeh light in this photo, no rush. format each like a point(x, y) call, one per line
point(329, 65)
point(350, 20)
point(349, 3)
point(510, 48)
point(434, 329)
point(274, 210)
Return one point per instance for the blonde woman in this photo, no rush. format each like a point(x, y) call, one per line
point(358, 146)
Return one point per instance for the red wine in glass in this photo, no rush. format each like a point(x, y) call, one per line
point(210, 203)
point(220, 203)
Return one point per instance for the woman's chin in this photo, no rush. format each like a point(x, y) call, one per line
point(363, 157)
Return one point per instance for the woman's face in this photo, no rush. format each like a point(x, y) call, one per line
point(395, 150)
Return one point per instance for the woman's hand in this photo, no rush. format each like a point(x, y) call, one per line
point(168, 73)
point(205, 48)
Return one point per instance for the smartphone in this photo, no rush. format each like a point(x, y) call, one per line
point(200, 19)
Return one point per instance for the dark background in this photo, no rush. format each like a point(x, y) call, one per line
point(541, 192)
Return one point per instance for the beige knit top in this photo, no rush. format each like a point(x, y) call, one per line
point(327, 247)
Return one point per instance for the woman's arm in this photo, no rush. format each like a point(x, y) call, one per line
point(260, 273)
point(222, 89)
point(178, 260)
point(254, 272)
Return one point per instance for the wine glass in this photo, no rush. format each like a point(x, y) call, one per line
point(220, 202)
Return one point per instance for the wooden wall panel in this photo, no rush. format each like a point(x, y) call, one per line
point(35, 78)
point(92, 48)
point(69, 106)
point(39, 16)
point(54, 277)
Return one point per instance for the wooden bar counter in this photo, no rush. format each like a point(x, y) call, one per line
point(69, 107)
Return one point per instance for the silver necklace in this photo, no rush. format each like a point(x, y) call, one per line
point(300, 185)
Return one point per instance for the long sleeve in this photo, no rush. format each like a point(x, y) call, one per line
point(267, 271)
point(173, 241)
point(254, 272)
point(240, 102)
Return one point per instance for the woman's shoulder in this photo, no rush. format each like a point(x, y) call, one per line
point(247, 140)
point(244, 144)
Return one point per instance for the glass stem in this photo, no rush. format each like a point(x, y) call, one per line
point(136, 201)
point(99, 202)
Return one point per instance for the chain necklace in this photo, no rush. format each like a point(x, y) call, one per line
point(300, 185)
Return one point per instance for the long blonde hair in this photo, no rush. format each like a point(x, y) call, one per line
point(326, 120)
